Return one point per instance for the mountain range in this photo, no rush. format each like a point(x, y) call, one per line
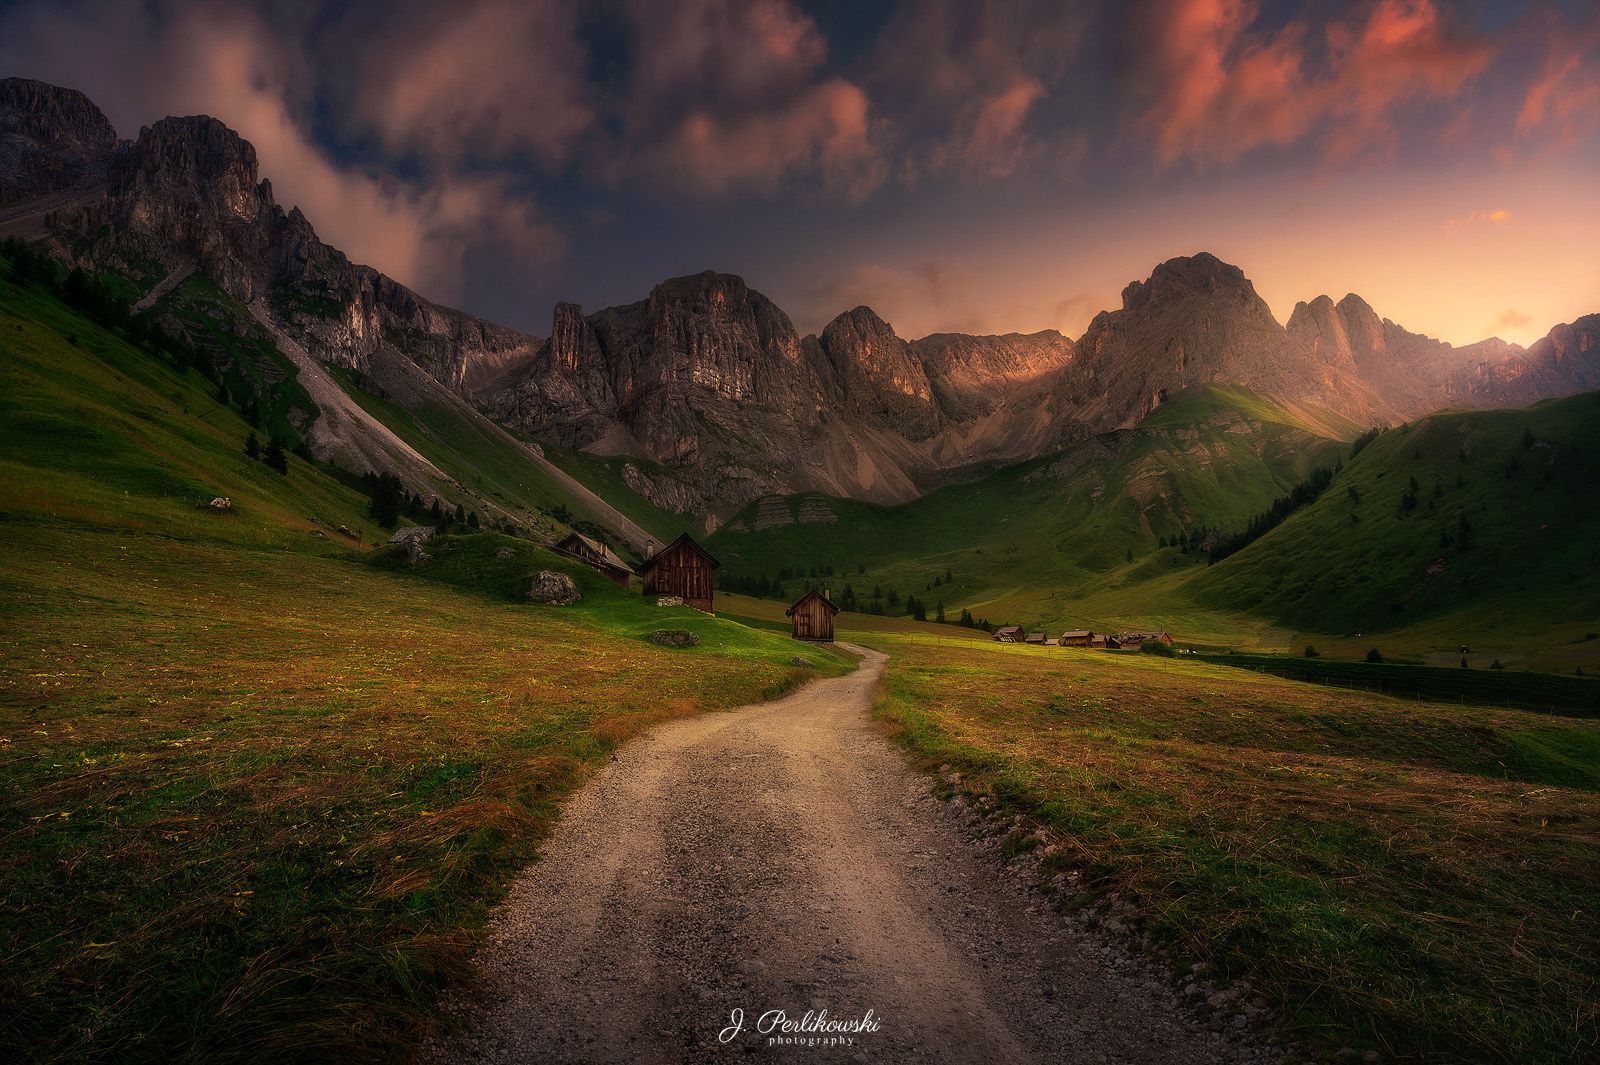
point(706, 382)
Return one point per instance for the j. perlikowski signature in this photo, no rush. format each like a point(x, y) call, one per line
point(815, 1029)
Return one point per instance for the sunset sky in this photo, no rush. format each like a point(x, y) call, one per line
point(956, 167)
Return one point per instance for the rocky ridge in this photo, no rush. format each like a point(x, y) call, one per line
point(708, 377)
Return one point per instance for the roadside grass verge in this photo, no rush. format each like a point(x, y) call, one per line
point(257, 805)
point(1417, 878)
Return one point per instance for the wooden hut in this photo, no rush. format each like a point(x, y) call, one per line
point(1076, 638)
point(1103, 641)
point(592, 552)
point(1137, 639)
point(1008, 634)
point(683, 568)
point(1037, 638)
point(811, 617)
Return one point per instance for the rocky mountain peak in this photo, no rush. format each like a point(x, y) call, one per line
point(50, 138)
point(198, 159)
point(1363, 326)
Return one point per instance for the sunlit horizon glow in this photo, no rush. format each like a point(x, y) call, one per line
point(955, 166)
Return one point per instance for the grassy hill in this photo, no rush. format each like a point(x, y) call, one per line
point(1478, 522)
point(1025, 542)
point(258, 793)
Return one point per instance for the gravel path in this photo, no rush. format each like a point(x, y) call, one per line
point(784, 857)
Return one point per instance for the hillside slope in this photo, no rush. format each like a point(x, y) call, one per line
point(1488, 512)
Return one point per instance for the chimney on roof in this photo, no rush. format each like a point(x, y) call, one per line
point(649, 549)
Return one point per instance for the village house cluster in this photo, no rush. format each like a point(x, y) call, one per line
point(1103, 641)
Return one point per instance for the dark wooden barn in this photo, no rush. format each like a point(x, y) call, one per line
point(811, 617)
point(1076, 638)
point(595, 553)
point(682, 568)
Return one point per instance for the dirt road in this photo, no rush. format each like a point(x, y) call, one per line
point(783, 857)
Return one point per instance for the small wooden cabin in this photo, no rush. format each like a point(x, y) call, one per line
point(1037, 638)
point(1008, 634)
point(1137, 639)
point(595, 553)
point(682, 568)
point(811, 617)
point(1076, 638)
point(1102, 641)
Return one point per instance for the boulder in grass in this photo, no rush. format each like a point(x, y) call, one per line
point(505, 554)
point(412, 534)
point(554, 588)
point(221, 503)
point(674, 638)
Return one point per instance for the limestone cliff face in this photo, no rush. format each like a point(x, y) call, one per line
point(50, 139)
point(879, 379)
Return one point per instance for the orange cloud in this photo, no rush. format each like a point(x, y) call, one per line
point(1509, 320)
point(1497, 217)
point(1221, 88)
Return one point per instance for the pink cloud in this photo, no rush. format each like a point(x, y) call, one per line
point(996, 144)
point(726, 96)
point(824, 130)
point(487, 79)
point(1221, 88)
point(1564, 98)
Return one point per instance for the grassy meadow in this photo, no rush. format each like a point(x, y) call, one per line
point(257, 792)
point(1416, 878)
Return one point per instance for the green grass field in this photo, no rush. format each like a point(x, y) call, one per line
point(1417, 878)
point(258, 793)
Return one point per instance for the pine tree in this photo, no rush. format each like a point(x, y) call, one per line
point(252, 447)
point(385, 504)
point(274, 456)
point(938, 614)
point(472, 520)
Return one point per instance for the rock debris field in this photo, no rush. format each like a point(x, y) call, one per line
point(784, 857)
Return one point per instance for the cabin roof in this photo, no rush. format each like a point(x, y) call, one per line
point(812, 594)
point(1076, 634)
point(687, 541)
point(1008, 628)
point(608, 558)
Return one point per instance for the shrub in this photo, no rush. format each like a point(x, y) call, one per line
point(1312, 652)
point(1156, 647)
point(1374, 655)
point(1496, 664)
